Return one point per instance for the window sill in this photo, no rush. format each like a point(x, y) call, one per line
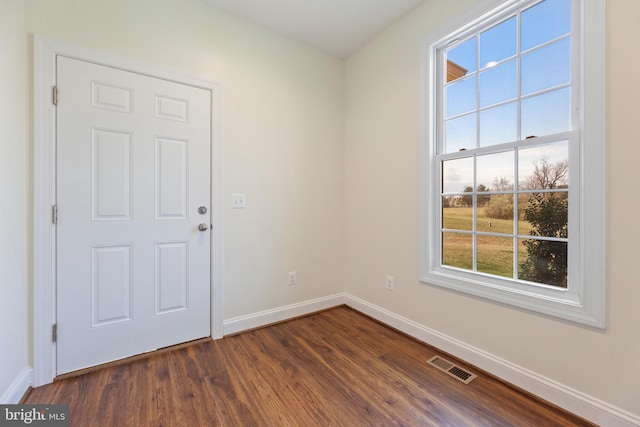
point(559, 303)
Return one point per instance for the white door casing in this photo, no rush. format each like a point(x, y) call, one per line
point(133, 172)
point(46, 51)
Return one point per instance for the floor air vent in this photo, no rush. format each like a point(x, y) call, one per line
point(451, 369)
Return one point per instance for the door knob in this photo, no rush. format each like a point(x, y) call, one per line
point(203, 227)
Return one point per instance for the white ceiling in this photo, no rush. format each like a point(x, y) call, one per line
point(338, 27)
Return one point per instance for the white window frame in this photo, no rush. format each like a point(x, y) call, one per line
point(583, 301)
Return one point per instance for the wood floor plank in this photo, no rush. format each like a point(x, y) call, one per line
point(324, 371)
point(333, 368)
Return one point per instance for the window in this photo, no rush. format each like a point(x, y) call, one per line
point(514, 124)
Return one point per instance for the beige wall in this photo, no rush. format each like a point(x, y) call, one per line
point(283, 133)
point(14, 313)
point(382, 122)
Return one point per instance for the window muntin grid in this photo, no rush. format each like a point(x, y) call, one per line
point(506, 106)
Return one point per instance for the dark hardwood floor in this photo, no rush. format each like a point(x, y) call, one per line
point(335, 368)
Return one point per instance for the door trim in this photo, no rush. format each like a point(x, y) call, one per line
point(45, 51)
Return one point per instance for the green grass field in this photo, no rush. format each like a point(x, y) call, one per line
point(495, 254)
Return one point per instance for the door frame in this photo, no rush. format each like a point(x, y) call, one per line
point(45, 51)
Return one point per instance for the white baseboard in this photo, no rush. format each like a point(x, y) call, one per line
point(18, 387)
point(280, 314)
point(565, 397)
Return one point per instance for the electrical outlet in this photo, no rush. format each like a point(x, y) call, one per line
point(390, 282)
point(293, 278)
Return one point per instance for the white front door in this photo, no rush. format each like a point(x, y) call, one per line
point(133, 187)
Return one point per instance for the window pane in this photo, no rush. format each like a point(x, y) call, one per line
point(457, 213)
point(495, 255)
point(498, 84)
point(546, 114)
point(546, 67)
point(498, 43)
point(497, 214)
point(461, 97)
point(460, 134)
point(544, 262)
point(545, 215)
point(544, 22)
point(544, 167)
point(495, 171)
point(499, 125)
point(457, 250)
point(457, 175)
point(461, 60)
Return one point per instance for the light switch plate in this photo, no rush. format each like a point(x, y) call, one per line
point(239, 201)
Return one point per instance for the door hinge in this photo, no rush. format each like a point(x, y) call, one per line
point(54, 214)
point(54, 332)
point(54, 95)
